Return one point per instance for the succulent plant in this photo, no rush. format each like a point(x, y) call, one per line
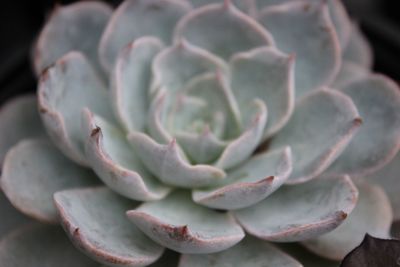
point(215, 128)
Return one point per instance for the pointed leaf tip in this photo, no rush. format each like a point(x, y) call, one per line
point(184, 229)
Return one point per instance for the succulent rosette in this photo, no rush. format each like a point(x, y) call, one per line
point(209, 128)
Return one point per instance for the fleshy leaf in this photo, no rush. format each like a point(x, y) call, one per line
point(304, 256)
point(244, 145)
point(244, 5)
point(249, 183)
point(389, 179)
point(373, 252)
point(64, 89)
point(305, 28)
point(156, 120)
point(337, 12)
point(137, 18)
point(372, 215)
point(131, 82)
point(358, 49)
point(95, 220)
point(323, 123)
point(75, 27)
point(19, 119)
point(188, 229)
point(38, 245)
point(300, 212)
point(267, 74)
point(114, 161)
point(349, 72)
point(250, 252)
point(33, 171)
point(10, 217)
point(204, 26)
point(165, 162)
point(178, 64)
point(378, 101)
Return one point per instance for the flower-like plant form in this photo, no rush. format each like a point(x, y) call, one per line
point(224, 118)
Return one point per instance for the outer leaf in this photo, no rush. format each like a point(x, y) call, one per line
point(246, 143)
point(165, 162)
point(95, 221)
point(146, 18)
point(358, 49)
point(38, 245)
point(203, 27)
point(131, 82)
point(337, 12)
point(76, 27)
point(33, 171)
point(19, 119)
point(178, 64)
point(389, 179)
point(116, 164)
point(305, 29)
point(378, 101)
point(189, 229)
point(349, 72)
point(249, 183)
point(243, 5)
point(267, 74)
point(250, 252)
point(300, 212)
point(322, 125)
point(10, 217)
point(372, 215)
point(64, 89)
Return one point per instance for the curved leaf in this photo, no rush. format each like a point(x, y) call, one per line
point(322, 125)
point(19, 119)
point(39, 245)
point(203, 27)
point(114, 161)
point(305, 28)
point(33, 171)
point(131, 82)
point(165, 162)
point(372, 215)
point(64, 89)
point(267, 74)
point(188, 229)
point(145, 18)
point(300, 212)
point(242, 147)
point(378, 101)
point(75, 27)
point(250, 252)
point(249, 183)
point(95, 221)
point(178, 64)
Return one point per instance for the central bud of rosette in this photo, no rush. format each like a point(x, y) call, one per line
point(193, 108)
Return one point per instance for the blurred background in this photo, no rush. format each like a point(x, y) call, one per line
point(20, 22)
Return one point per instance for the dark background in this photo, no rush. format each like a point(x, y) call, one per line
point(20, 22)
